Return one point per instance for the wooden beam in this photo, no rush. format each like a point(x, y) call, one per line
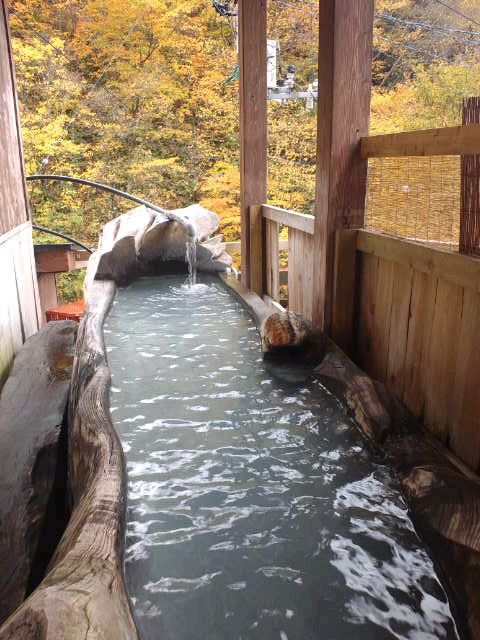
point(252, 24)
point(456, 268)
point(81, 258)
point(448, 141)
point(54, 260)
point(300, 221)
point(344, 79)
point(235, 245)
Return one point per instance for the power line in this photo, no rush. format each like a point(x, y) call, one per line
point(297, 7)
point(459, 13)
point(429, 54)
point(428, 27)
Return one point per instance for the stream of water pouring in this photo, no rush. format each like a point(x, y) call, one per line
point(191, 259)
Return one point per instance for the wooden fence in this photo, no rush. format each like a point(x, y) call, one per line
point(265, 223)
point(408, 313)
point(413, 322)
point(19, 304)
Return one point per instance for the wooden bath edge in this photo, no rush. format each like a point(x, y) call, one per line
point(83, 595)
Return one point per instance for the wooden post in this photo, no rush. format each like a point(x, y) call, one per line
point(47, 288)
point(344, 87)
point(470, 194)
point(253, 117)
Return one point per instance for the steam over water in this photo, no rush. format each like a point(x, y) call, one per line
point(254, 510)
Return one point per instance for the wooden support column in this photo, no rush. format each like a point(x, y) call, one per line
point(344, 87)
point(470, 193)
point(252, 26)
point(47, 288)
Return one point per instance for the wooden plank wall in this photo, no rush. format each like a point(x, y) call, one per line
point(418, 330)
point(20, 306)
point(300, 273)
point(13, 200)
point(272, 261)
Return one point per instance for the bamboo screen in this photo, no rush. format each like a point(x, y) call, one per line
point(416, 198)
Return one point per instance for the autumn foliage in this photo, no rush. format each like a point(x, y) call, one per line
point(142, 95)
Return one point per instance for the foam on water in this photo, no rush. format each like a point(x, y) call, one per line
point(254, 510)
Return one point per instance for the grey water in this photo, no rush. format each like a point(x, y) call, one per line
point(254, 508)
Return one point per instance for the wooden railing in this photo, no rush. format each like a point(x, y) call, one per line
point(447, 141)
point(235, 246)
point(265, 223)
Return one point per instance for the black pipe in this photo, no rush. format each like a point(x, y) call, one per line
point(37, 227)
point(102, 187)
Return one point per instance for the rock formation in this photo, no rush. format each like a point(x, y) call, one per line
point(142, 242)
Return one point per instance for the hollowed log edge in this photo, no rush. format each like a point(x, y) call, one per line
point(440, 491)
point(83, 594)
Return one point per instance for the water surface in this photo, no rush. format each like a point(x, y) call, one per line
point(254, 509)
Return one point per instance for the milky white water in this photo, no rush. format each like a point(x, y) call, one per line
point(254, 509)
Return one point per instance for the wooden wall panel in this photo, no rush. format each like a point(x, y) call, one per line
point(441, 358)
point(300, 273)
point(399, 318)
point(13, 200)
point(26, 276)
point(418, 331)
point(367, 302)
point(381, 320)
point(11, 334)
point(422, 305)
point(465, 407)
point(344, 288)
point(19, 312)
point(295, 289)
point(272, 263)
